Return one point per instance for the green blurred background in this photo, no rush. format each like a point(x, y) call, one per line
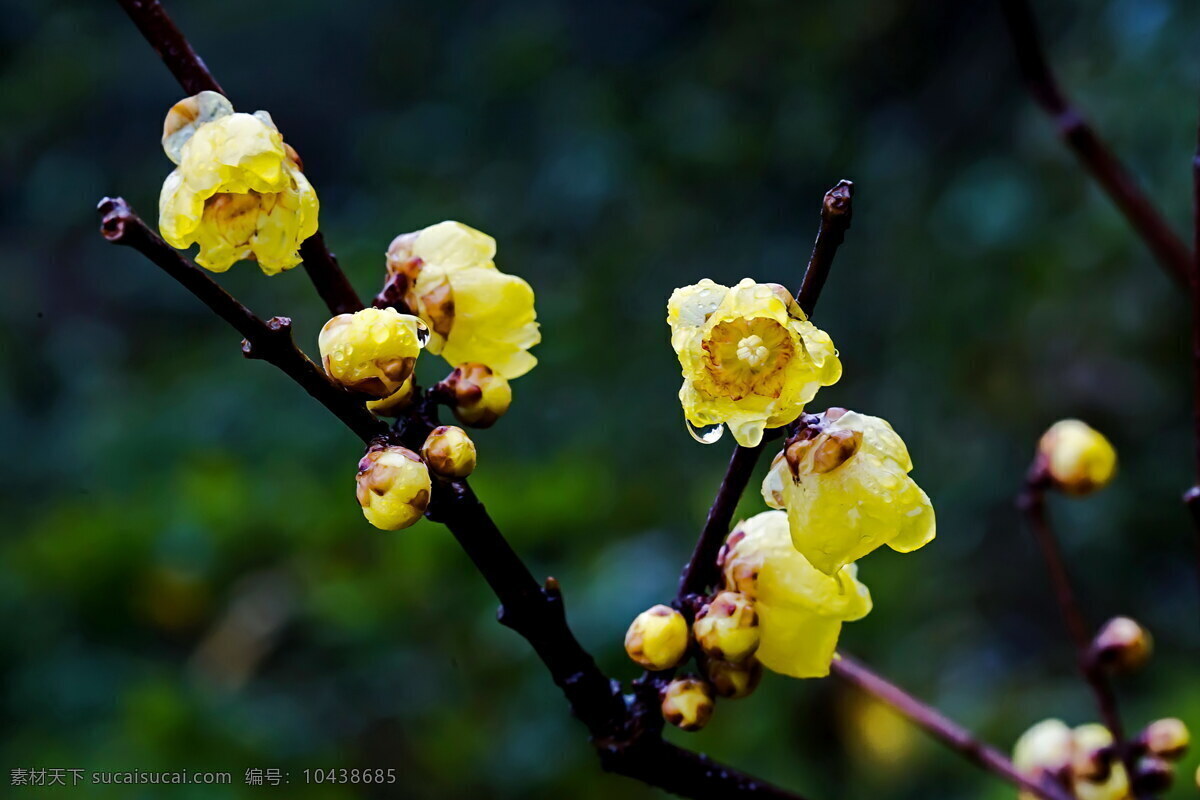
point(185, 578)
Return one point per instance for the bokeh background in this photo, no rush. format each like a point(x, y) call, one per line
point(185, 578)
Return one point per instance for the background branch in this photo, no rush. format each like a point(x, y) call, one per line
point(1089, 148)
point(1192, 497)
point(189, 69)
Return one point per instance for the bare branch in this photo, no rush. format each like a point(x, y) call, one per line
point(950, 733)
point(189, 69)
point(1092, 152)
point(837, 209)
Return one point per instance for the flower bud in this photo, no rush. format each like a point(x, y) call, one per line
point(1167, 738)
point(1044, 749)
point(477, 395)
point(658, 638)
point(449, 451)
point(731, 680)
point(1077, 458)
point(688, 703)
point(727, 627)
point(371, 351)
point(1122, 645)
point(395, 403)
point(1152, 775)
point(393, 487)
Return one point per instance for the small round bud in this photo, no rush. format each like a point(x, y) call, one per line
point(1166, 738)
point(371, 351)
point(395, 403)
point(1077, 458)
point(449, 451)
point(477, 395)
point(393, 487)
point(731, 680)
point(727, 627)
point(1152, 775)
point(1122, 645)
point(658, 638)
point(1044, 749)
point(688, 703)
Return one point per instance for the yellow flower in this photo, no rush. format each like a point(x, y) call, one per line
point(1077, 457)
point(750, 357)
point(1052, 750)
point(847, 491)
point(371, 351)
point(476, 312)
point(800, 609)
point(238, 191)
point(393, 487)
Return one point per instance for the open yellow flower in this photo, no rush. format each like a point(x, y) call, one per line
point(372, 350)
point(238, 191)
point(800, 609)
point(750, 357)
point(476, 313)
point(844, 482)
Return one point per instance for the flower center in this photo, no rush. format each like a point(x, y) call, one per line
point(752, 350)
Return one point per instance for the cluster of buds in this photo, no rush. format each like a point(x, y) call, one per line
point(725, 634)
point(394, 483)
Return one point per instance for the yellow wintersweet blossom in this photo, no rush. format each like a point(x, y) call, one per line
point(800, 609)
point(476, 312)
point(847, 491)
point(750, 357)
point(371, 351)
point(1051, 750)
point(238, 191)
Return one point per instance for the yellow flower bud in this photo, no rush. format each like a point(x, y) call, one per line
point(476, 394)
point(1167, 738)
point(1082, 757)
point(1044, 750)
point(800, 609)
point(658, 638)
point(750, 358)
point(238, 192)
point(476, 312)
point(1077, 458)
point(731, 680)
point(371, 351)
point(395, 403)
point(727, 627)
point(688, 703)
point(393, 487)
point(845, 484)
point(449, 451)
point(1123, 645)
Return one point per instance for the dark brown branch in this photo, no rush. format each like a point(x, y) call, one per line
point(625, 743)
point(270, 341)
point(1089, 148)
point(189, 69)
point(1032, 503)
point(950, 733)
point(837, 209)
point(1192, 497)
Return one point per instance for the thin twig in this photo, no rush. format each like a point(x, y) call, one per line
point(624, 742)
point(837, 209)
point(270, 341)
point(1192, 497)
point(950, 733)
point(1092, 152)
point(1032, 503)
point(190, 71)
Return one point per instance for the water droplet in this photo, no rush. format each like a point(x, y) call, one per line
point(422, 333)
point(379, 333)
point(709, 434)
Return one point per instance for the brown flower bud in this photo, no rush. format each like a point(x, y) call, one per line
point(449, 451)
point(1152, 775)
point(476, 394)
point(1166, 738)
point(1122, 645)
point(727, 627)
point(731, 680)
point(688, 703)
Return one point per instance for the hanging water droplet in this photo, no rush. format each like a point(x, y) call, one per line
point(422, 332)
point(709, 434)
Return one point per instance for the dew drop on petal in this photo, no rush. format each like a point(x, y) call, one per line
point(709, 434)
point(422, 333)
